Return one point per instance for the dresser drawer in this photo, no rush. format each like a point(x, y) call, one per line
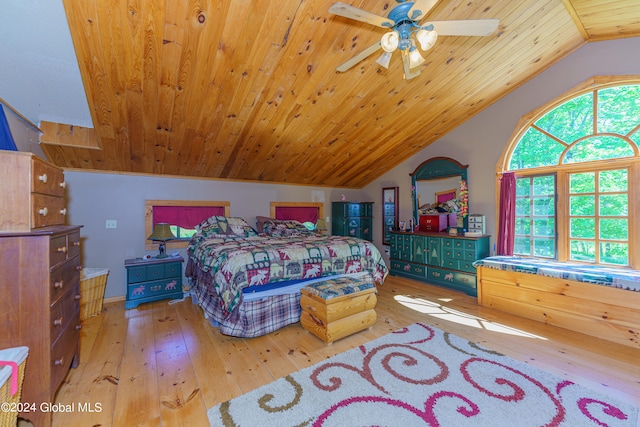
point(73, 244)
point(64, 277)
point(58, 250)
point(62, 353)
point(63, 312)
point(46, 178)
point(47, 210)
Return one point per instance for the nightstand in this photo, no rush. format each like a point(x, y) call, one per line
point(153, 279)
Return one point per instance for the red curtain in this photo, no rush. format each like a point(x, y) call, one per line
point(299, 213)
point(507, 219)
point(185, 216)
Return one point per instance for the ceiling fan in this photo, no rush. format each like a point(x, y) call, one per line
point(403, 21)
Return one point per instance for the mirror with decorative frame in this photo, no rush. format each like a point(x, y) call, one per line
point(439, 186)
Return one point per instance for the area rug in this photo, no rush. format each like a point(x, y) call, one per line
point(421, 376)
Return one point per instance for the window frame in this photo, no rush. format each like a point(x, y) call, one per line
point(563, 170)
point(175, 244)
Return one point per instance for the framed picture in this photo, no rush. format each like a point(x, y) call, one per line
point(389, 212)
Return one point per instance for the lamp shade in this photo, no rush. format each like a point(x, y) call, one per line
point(390, 41)
point(415, 58)
point(162, 232)
point(320, 225)
point(384, 60)
point(426, 39)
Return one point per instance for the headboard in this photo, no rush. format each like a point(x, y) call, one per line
point(446, 195)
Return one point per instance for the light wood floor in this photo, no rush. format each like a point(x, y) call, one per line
point(162, 364)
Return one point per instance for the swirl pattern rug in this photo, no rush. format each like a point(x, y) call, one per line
point(421, 376)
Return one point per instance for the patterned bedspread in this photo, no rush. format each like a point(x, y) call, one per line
point(240, 262)
point(614, 277)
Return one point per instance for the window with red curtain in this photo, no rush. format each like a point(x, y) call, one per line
point(182, 215)
point(299, 213)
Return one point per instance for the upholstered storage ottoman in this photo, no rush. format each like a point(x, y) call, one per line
point(337, 307)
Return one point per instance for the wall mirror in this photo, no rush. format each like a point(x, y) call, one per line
point(434, 183)
point(389, 212)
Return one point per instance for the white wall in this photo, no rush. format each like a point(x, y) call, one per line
point(94, 198)
point(479, 142)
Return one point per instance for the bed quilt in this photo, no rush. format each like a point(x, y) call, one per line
point(240, 262)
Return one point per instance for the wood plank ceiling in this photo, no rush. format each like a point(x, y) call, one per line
point(247, 90)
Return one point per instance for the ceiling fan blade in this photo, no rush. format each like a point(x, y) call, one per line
point(352, 12)
point(359, 57)
point(420, 8)
point(469, 27)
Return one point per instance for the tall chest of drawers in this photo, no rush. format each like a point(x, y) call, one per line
point(40, 280)
point(32, 192)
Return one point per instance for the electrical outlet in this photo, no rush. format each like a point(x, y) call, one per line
point(111, 223)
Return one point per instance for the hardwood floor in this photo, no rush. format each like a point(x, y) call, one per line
point(163, 365)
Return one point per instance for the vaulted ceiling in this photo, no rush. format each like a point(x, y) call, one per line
point(248, 90)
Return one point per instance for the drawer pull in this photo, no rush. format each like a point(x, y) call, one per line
point(78, 267)
point(62, 249)
point(43, 178)
point(59, 362)
point(76, 243)
point(63, 184)
point(43, 211)
point(63, 211)
point(77, 297)
point(59, 284)
point(78, 327)
point(58, 321)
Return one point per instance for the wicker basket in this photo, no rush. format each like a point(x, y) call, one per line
point(17, 355)
point(92, 284)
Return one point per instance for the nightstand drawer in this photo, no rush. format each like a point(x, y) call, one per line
point(137, 274)
point(154, 288)
point(155, 272)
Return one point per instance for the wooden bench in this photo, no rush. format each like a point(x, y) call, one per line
point(597, 310)
point(338, 307)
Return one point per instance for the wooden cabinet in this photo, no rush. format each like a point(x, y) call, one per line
point(153, 280)
point(438, 258)
point(40, 308)
point(352, 219)
point(33, 192)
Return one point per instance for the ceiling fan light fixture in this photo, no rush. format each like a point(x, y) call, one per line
point(426, 39)
point(415, 58)
point(384, 59)
point(389, 41)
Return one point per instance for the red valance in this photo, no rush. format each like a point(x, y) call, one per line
point(185, 216)
point(299, 213)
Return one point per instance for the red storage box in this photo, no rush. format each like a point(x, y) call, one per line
point(433, 222)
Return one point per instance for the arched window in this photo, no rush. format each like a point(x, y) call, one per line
point(577, 167)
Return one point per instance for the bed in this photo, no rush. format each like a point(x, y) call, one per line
point(248, 283)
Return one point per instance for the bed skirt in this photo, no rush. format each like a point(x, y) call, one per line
point(252, 318)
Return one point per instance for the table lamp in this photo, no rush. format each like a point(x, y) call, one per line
point(162, 233)
point(321, 227)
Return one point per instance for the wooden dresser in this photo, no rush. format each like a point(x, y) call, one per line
point(40, 280)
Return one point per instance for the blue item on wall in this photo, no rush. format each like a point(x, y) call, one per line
point(6, 139)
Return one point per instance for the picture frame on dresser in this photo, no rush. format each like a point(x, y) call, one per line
point(389, 212)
